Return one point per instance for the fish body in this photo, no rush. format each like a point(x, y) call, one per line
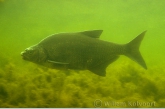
point(82, 51)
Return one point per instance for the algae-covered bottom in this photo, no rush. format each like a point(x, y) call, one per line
point(41, 87)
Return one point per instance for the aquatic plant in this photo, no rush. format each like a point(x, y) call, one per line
point(43, 87)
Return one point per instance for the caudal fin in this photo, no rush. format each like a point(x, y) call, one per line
point(132, 50)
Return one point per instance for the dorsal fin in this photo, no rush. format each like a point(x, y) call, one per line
point(92, 33)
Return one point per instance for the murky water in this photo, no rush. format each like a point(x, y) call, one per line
point(25, 22)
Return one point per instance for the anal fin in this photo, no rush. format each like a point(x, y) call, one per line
point(100, 69)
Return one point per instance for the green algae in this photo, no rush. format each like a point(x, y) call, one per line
point(51, 88)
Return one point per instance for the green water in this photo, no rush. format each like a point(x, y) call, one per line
point(25, 22)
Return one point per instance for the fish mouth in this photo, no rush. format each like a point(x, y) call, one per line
point(23, 56)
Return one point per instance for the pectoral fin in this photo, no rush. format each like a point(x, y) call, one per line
point(54, 62)
point(57, 65)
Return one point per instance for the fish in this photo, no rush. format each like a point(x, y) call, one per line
point(82, 51)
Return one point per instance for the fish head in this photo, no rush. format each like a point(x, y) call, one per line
point(34, 54)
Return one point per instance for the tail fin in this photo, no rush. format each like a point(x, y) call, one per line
point(132, 50)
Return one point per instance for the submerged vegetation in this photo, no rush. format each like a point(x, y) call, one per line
point(42, 87)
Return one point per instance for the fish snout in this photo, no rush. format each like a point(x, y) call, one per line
point(23, 54)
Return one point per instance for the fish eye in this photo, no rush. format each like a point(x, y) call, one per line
point(30, 52)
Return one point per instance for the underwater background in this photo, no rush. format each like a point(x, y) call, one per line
point(25, 22)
